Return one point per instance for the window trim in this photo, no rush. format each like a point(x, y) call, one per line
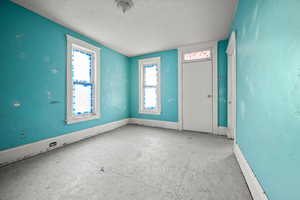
point(70, 117)
point(142, 63)
point(200, 59)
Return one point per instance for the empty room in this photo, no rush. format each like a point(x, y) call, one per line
point(149, 100)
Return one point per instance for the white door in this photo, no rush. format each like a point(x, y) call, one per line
point(197, 96)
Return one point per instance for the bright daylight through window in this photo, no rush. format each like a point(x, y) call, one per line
point(150, 86)
point(83, 69)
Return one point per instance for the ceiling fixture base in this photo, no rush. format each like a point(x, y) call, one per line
point(124, 4)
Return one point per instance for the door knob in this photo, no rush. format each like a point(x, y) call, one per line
point(209, 96)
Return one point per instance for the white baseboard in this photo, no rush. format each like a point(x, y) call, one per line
point(154, 123)
point(253, 184)
point(29, 150)
point(220, 130)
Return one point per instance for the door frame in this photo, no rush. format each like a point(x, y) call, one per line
point(231, 52)
point(213, 45)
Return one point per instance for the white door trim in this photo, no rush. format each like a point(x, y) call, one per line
point(231, 52)
point(213, 45)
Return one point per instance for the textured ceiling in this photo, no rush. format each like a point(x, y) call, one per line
point(151, 25)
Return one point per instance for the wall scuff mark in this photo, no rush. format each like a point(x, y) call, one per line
point(54, 102)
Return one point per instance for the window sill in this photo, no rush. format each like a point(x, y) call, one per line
point(82, 119)
point(150, 112)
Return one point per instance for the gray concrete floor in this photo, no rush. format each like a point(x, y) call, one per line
point(130, 163)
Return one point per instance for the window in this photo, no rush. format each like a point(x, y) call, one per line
point(198, 55)
point(82, 81)
point(149, 78)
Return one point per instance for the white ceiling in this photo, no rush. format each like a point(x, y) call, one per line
point(151, 25)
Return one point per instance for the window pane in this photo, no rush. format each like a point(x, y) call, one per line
point(150, 75)
point(82, 98)
point(81, 65)
point(197, 55)
point(150, 95)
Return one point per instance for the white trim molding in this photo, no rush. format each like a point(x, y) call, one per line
point(142, 64)
point(253, 184)
point(221, 131)
point(213, 45)
point(154, 123)
point(180, 78)
point(29, 150)
point(231, 86)
point(232, 43)
point(74, 43)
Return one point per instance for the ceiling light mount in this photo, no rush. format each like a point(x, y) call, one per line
point(124, 4)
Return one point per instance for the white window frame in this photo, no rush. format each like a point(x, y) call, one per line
point(142, 63)
point(200, 59)
point(95, 51)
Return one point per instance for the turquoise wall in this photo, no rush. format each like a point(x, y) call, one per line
point(268, 93)
point(33, 73)
point(222, 83)
point(169, 86)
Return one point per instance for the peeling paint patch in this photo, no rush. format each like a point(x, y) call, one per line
point(17, 104)
point(49, 95)
point(19, 35)
point(54, 71)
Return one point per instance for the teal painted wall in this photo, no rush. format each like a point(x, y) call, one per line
point(169, 86)
point(268, 93)
point(33, 68)
point(222, 83)
point(33, 71)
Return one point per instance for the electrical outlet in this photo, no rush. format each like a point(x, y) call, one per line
point(52, 144)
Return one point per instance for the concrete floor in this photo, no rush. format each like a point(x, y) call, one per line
point(130, 163)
